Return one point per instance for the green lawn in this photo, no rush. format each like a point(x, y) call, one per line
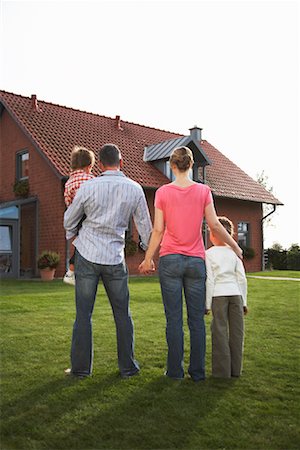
point(278, 273)
point(43, 409)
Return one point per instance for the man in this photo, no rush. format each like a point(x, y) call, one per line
point(108, 201)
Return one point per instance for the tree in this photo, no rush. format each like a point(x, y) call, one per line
point(263, 180)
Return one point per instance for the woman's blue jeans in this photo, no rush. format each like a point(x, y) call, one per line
point(115, 281)
point(180, 273)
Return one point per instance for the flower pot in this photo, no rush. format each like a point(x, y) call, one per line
point(47, 274)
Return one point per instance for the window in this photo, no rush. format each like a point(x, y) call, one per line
point(168, 171)
point(243, 234)
point(22, 165)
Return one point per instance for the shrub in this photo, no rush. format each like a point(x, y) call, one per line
point(293, 257)
point(48, 259)
point(130, 247)
point(277, 259)
point(248, 252)
point(21, 188)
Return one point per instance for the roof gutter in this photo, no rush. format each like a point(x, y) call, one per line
point(272, 212)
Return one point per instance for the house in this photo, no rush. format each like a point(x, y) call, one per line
point(35, 145)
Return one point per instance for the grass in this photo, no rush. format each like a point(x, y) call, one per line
point(43, 409)
point(278, 273)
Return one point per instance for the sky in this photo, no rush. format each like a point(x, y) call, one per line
point(230, 67)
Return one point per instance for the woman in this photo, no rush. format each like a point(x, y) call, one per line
point(180, 207)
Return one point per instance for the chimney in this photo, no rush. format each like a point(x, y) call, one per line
point(34, 103)
point(118, 123)
point(196, 133)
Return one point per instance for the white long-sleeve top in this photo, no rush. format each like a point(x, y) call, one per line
point(225, 274)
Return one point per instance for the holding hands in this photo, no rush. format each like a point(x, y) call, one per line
point(147, 266)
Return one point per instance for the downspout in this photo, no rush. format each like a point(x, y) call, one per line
point(262, 234)
point(37, 232)
point(67, 241)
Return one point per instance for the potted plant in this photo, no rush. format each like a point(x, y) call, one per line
point(47, 263)
point(21, 188)
point(248, 252)
point(131, 247)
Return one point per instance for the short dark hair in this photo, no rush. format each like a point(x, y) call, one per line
point(110, 155)
point(81, 157)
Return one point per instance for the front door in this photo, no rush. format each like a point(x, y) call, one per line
point(9, 248)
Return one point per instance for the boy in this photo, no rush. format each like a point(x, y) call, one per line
point(82, 161)
point(226, 295)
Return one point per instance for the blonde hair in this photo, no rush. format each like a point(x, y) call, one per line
point(81, 157)
point(227, 224)
point(182, 158)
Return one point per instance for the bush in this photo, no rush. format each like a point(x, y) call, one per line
point(130, 247)
point(48, 259)
point(293, 257)
point(21, 188)
point(277, 259)
point(248, 252)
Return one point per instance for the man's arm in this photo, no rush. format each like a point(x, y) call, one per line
point(147, 265)
point(73, 215)
point(142, 220)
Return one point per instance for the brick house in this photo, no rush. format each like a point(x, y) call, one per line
point(35, 144)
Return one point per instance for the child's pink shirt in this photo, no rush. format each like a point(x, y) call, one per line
point(183, 210)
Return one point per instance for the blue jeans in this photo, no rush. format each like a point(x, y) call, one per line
point(179, 273)
point(115, 281)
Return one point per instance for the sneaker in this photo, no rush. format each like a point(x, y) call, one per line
point(172, 378)
point(69, 278)
point(69, 373)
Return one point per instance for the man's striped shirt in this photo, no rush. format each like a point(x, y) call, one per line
point(109, 202)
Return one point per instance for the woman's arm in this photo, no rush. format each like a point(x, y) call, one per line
point(219, 231)
point(158, 230)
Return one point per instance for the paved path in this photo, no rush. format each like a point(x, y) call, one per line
point(273, 278)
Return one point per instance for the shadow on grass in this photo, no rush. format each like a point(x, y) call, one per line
point(111, 413)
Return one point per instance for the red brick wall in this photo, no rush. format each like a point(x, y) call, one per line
point(43, 183)
point(244, 211)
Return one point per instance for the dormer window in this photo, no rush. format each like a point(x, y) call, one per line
point(168, 171)
point(22, 161)
point(159, 154)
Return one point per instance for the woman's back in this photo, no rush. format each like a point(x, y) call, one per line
point(183, 210)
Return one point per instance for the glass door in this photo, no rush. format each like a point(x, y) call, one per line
point(9, 251)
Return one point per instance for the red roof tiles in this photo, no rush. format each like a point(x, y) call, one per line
point(56, 129)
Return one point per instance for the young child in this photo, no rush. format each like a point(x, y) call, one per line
point(226, 295)
point(82, 161)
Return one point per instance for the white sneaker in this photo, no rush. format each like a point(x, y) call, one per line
point(69, 278)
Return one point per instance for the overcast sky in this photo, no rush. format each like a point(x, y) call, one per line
point(230, 67)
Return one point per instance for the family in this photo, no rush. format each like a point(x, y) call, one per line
point(99, 210)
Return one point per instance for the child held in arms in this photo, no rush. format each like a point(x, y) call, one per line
point(82, 162)
point(226, 296)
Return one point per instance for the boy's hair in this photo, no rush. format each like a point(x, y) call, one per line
point(227, 224)
point(182, 157)
point(81, 157)
point(110, 155)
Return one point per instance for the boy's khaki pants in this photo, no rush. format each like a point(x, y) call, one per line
point(227, 330)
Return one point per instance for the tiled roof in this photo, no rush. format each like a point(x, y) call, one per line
point(227, 180)
point(55, 129)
